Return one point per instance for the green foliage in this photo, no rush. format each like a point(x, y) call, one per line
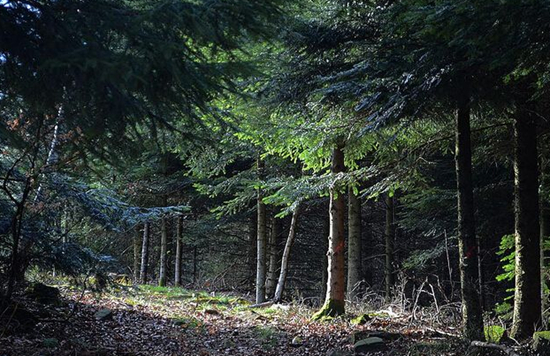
point(493, 333)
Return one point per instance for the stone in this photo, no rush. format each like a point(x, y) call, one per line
point(339, 352)
point(104, 314)
point(296, 341)
point(43, 294)
point(369, 344)
point(50, 343)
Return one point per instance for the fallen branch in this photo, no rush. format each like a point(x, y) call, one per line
point(507, 350)
point(262, 305)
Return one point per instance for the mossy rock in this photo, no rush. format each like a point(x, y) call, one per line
point(50, 343)
point(370, 344)
point(331, 309)
point(494, 333)
point(541, 342)
point(104, 314)
point(43, 294)
point(361, 319)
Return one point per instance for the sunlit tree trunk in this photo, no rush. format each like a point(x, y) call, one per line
point(324, 241)
point(137, 245)
point(527, 296)
point(467, 242)
point(163, 251)
point(335, 298)
point(144, 253)
point(179, 251)
point(261, 240)
point(286, 255)
point(274, 255)
point(354, 245)
point(389, 237)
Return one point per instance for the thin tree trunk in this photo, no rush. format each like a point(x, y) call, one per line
point(163, 251)
point(274, 255)
point(467, 242)
point(354, 245)
point(335, 298)
point(179, 251)
point(251, 253)
point(144, 253)
point(326, 233)
point(527, 297)
point(389, 236)
point(137, 245)
point(261, 241)
point(286, 255)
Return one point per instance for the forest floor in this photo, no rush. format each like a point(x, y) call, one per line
point(173, 321)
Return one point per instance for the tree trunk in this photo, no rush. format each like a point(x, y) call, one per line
point(389, 236)
point(354, 245)
point(467, 242)
point(163, 251)
point(326, 233)
point(335, 298)
point(251, 253)
point(261, 241)
point(144, 253)
point(179, 251)
point(137, 243)
point(527, 297)
point(274, 255)
point(286, 255)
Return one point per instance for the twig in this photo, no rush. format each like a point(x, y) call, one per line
point(507, 350)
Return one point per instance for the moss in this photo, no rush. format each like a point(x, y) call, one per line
point(361, 319)
point(493, 333)
point(332, 308)
point(541, 340)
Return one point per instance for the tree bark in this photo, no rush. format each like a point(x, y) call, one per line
point(354, 245)
point(389, 236)
point(261, 240)
point(179, 251)
point(527, 297)
point(335, 298)
point(467, 242)
point(286, 255)
point(326, 233)
point(163, 251)
point(137, 244)
point(144, 253)
point(274, 254)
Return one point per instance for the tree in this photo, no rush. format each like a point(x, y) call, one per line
point(334, 304)
point(261, 251)
point(527, 296)
point(145, 253)
point(389, 237)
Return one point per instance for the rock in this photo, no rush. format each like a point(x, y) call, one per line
point(358, 336)
point(541, 342)
point(339, 352)
point(384, 335)
point(212, 312)
point(50, 343)
point(369, 344)
point(296, 341)
point(104, 314)
point(43, 294)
